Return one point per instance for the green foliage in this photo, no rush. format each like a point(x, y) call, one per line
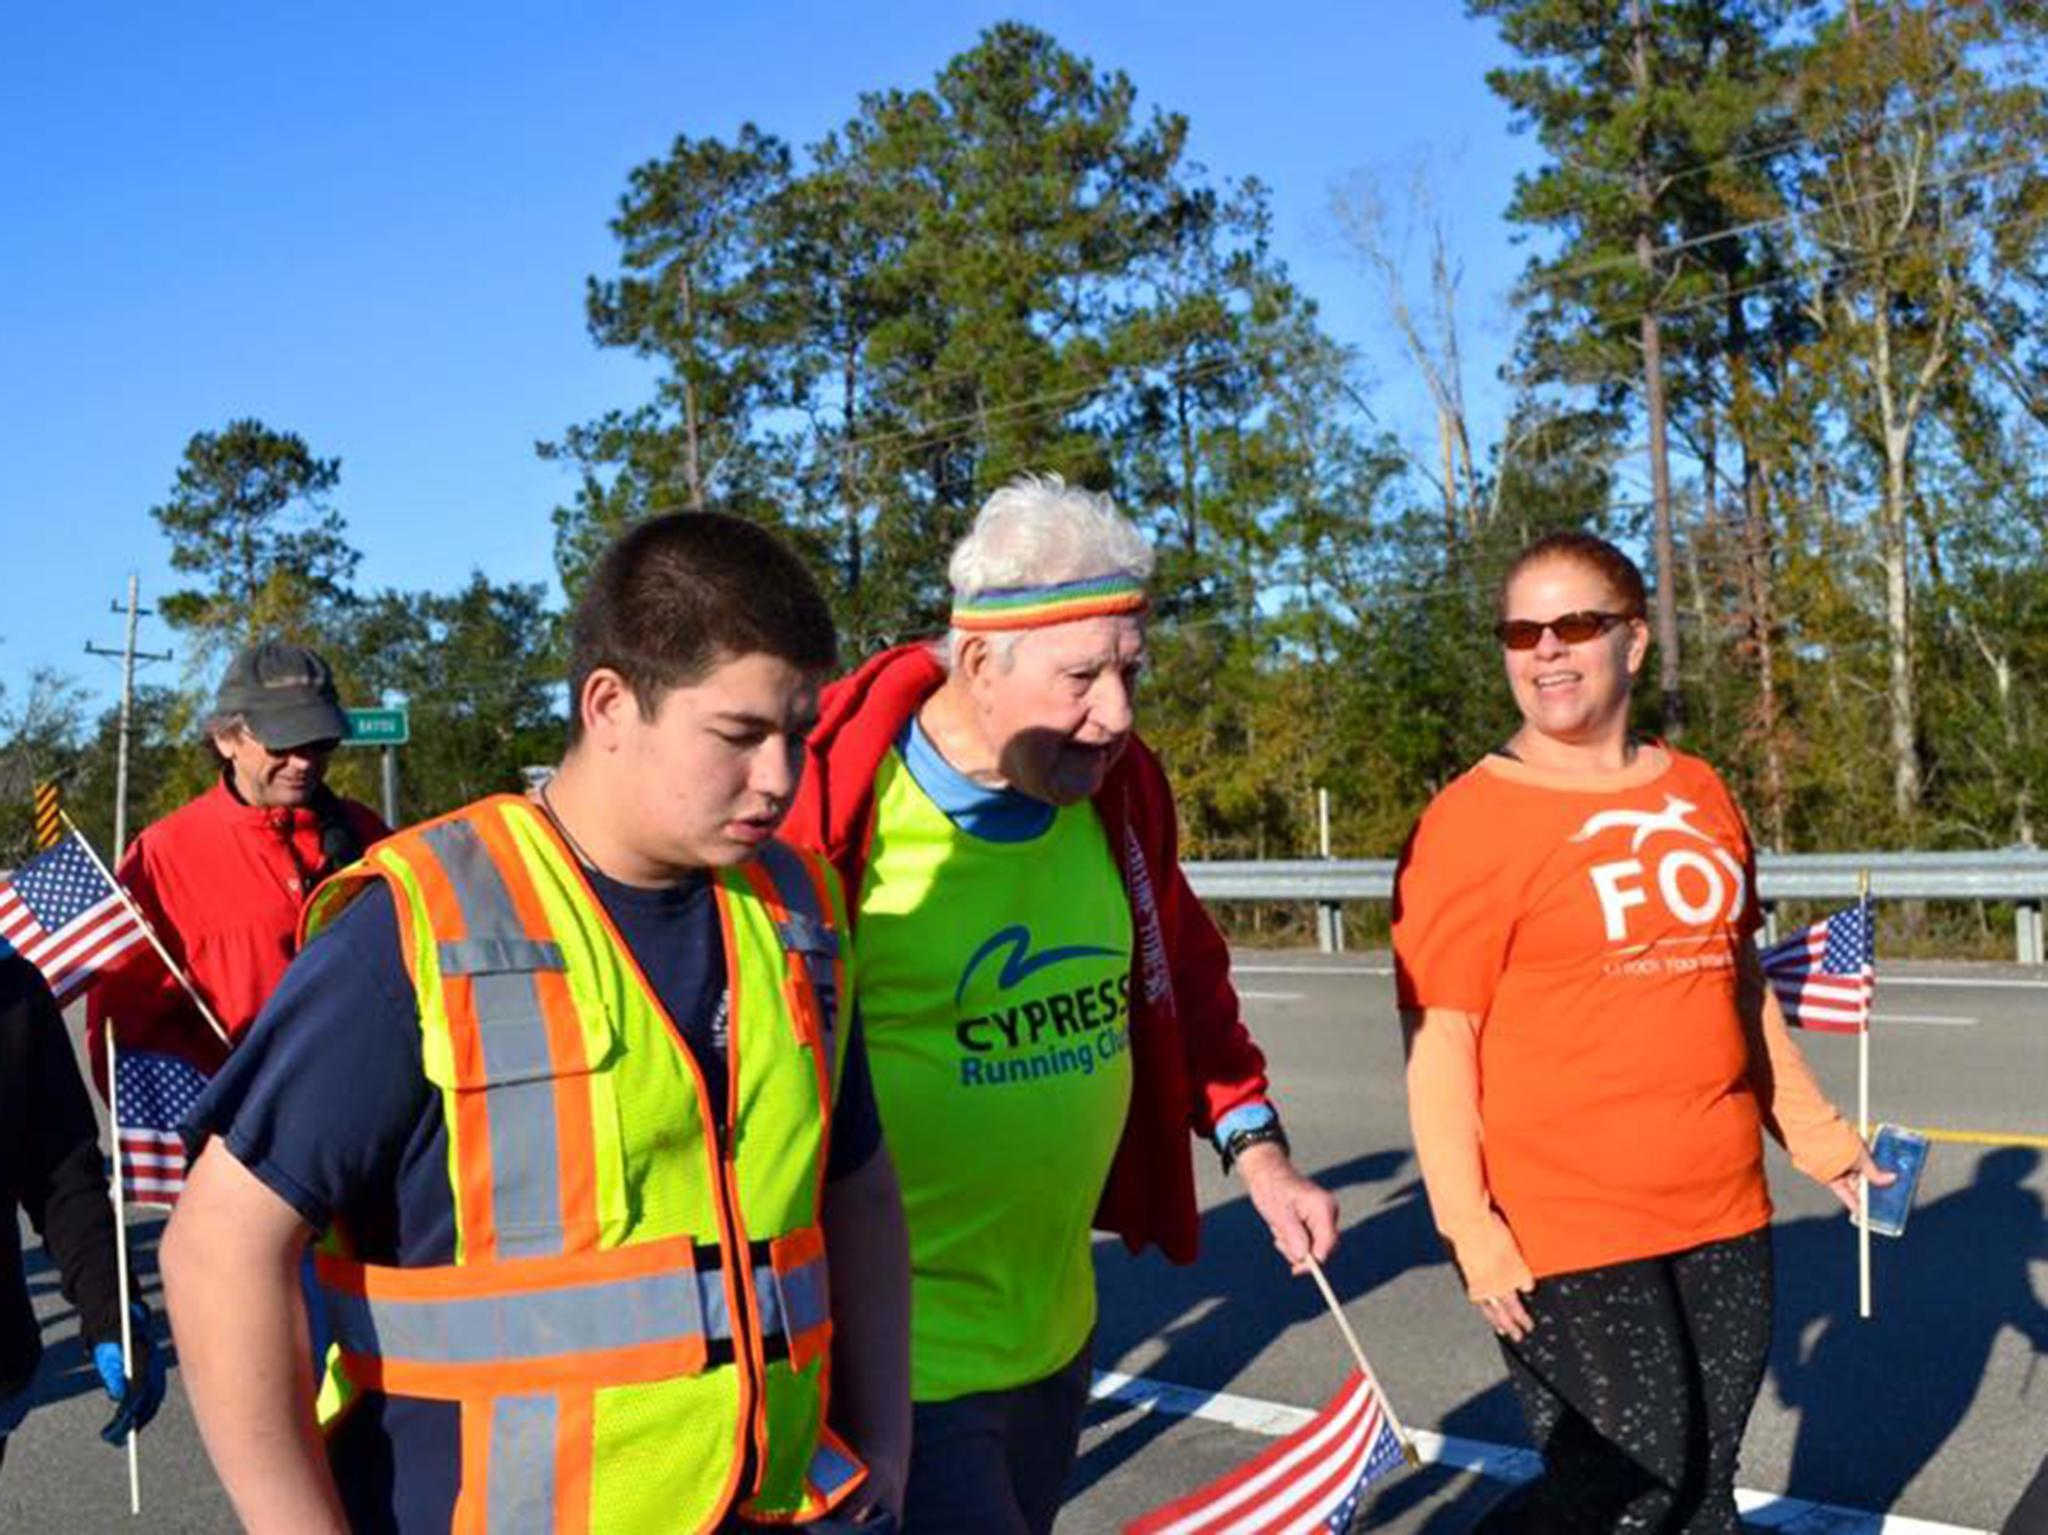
point(38, 741)
point(1013, 268)
point(480, 671)
point(248, 517)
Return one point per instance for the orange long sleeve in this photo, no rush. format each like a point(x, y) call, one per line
point(1820, 1142)
point(1443, 1114)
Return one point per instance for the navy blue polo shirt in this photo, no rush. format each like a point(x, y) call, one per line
point(325, 1100)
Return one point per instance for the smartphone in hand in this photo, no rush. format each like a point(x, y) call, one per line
point(1905, 1153)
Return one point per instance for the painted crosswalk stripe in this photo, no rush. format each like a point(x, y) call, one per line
point(1767, 1510)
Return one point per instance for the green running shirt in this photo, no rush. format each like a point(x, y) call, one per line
point(994, 985)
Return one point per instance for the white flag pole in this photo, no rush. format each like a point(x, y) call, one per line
point(1357, 1353)
point(121, 1265)
point(150, 933)
point(1863, 1121)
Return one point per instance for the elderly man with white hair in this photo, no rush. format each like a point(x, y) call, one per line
point(1048, 1009)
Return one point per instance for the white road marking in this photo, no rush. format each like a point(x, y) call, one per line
point(1991, 983)
point(1794, 1516)
point(1270, 996)
point(1936, 1018)
point(1884, 977)
point(1311, 970)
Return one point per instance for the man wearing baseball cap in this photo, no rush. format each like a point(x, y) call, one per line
point(222, 878)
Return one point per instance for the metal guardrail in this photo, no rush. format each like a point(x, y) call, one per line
point(2019, 876)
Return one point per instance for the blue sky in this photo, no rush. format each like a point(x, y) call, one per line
point(371, 224)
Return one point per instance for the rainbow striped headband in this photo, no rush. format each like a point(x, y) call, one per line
point(1039, 607)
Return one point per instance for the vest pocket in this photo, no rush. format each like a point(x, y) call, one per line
point(514, 1036)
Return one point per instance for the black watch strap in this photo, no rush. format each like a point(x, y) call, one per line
point(1255, 1136)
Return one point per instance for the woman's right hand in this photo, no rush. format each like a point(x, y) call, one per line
point(1506, 1314)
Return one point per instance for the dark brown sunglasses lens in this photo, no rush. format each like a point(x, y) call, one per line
point(1519, 633)
point(1577, 628)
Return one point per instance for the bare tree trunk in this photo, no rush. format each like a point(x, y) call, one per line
point(849, 478)
point(1898, 420)
point(1756, 567)
point(2000, 663)
point(1190, 526)
point(1363, 214)
point(1710, 532)
point(693, 467)
point(1653, 404)
point(1901, 688)
point(1449, 452)
point(1758, 589)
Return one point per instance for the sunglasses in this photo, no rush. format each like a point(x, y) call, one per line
point(320, 748)
point(1570, 628)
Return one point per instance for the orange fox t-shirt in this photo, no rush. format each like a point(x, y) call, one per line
point(1594, 929)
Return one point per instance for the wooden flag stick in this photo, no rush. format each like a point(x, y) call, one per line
point(121, 1265)
point(1357, 1353)
point(1863, 1122)
point(150, 933)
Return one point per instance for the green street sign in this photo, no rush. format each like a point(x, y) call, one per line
point(377, 727)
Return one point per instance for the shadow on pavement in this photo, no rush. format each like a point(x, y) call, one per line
point(67, 1369)
point(1216, 1316)
point(1878, 1399)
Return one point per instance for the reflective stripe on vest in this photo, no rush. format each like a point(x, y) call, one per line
point(806, 932)
point(803, 926)
point(503, 963)
point(521, 1491)
point(674, 1306)
point(592, 1295)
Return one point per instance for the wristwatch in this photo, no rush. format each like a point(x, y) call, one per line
point(1253, 1125)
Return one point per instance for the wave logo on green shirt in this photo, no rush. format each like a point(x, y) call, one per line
point(1067, 1030)
point(1020, 964)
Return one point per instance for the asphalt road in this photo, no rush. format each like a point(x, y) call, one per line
point(1931, 1410)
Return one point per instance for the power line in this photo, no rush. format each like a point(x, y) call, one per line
point(1832, 269)
point(1734, 231)
point(1794, 141)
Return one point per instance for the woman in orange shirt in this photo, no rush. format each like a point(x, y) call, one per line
point(1592, 1053)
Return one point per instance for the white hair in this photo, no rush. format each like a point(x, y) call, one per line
point(1035, 531)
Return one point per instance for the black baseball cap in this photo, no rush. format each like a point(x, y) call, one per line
point(285, 692)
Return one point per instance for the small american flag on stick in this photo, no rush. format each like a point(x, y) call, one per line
point(1826, 975)
point(61, 913)
point(1310, 1481)
point(153, 1093)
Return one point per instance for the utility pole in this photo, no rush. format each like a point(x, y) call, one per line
point(129, 656)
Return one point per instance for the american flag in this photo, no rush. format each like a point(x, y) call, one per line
point(1825, 976)
point(1309, 1481)
point(62, 914)
point(152, 1094)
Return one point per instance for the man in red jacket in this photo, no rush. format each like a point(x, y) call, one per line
point(222, 878)
point(1049, 1011)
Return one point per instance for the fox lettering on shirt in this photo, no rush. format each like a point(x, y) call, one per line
point(1699, 886)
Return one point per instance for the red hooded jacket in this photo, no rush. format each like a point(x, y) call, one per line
point(222, 883)
point(1192, 1060)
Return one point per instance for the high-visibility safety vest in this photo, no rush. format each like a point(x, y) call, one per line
point(636, 1301)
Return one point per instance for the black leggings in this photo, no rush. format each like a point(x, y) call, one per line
point(1637, 1383)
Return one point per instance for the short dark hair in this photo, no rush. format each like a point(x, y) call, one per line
point(675, 597)
point(1593, 552)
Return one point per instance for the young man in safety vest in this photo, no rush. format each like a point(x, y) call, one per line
point(566, 1084)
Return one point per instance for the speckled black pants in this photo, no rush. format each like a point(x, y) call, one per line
point(1637, 1384)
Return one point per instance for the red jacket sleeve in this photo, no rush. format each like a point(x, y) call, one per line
point(1225, 1067)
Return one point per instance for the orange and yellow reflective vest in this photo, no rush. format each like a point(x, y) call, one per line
point(635, 1301)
